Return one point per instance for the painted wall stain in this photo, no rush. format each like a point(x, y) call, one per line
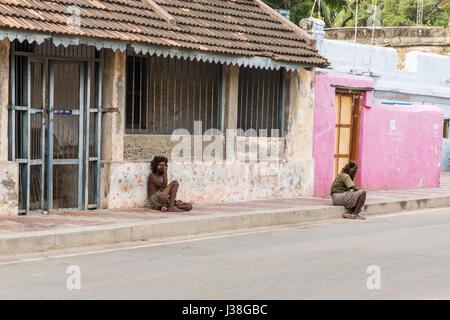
point(9, 192)
point(9, 184)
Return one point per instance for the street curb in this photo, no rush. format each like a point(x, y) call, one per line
point(41, 241)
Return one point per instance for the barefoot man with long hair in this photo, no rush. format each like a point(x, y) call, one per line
point(162, 196)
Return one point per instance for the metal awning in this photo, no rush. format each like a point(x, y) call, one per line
point(241, 61)
point(58, 40)
point(353, 88)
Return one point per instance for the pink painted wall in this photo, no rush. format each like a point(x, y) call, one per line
point(324, 125)
point(400, 146)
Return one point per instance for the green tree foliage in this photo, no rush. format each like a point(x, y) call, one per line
point(341, 13)
point(403, 13)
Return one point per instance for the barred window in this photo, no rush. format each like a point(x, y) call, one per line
point(260, 102)
point(164, 94)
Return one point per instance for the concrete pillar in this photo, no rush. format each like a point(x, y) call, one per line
point(9, 171)
point(113, 121)
point(4, 94)
point(299, 117)
point(113, 99)
point(298, 125)
point(230, 94)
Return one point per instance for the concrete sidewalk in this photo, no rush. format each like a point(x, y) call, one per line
point(66, 229)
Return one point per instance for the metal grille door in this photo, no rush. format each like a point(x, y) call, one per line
point(65, 134)
point(54, 125)
point(27, 125)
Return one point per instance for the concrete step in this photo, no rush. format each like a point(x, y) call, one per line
point(183, 226)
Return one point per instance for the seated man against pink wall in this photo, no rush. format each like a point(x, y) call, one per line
point(345, 193)
point(162, 196)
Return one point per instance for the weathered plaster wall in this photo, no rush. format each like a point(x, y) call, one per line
point(113, 99)
point(144, 147)
point(215, 181)
point(9, 188)
point(4, 98)
point(399, 146)
point(300, 97)
point(237, 177)
point(9, 171)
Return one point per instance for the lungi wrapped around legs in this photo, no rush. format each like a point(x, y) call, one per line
point(347, 199)
point(158, 200)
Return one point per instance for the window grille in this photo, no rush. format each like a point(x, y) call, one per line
point(164, 94)
point(260, 102)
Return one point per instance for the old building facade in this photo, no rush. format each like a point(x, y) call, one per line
point(91, 91)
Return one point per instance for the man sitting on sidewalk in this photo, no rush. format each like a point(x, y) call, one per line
point(345, 193)
point(162, 196)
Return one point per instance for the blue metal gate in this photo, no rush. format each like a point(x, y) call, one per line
point(54, 126)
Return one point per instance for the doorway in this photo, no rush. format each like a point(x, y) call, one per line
point(348, 114)
point(54, 123)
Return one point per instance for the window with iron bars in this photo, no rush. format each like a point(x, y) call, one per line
point(165, 94)
point(260, 102)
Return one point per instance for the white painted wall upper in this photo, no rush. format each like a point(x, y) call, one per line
point(437, 66)
point(425, 80)
point(424, 74)
point(378, 60)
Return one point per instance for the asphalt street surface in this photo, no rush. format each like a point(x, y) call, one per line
point(399, 256)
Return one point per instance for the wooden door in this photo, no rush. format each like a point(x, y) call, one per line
point(348, 111)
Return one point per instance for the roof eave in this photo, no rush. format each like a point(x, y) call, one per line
point(256, 61)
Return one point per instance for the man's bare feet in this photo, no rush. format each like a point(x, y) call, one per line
point(183, 205)
point(174, 209)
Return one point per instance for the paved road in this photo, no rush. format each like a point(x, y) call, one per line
point(324, 261)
